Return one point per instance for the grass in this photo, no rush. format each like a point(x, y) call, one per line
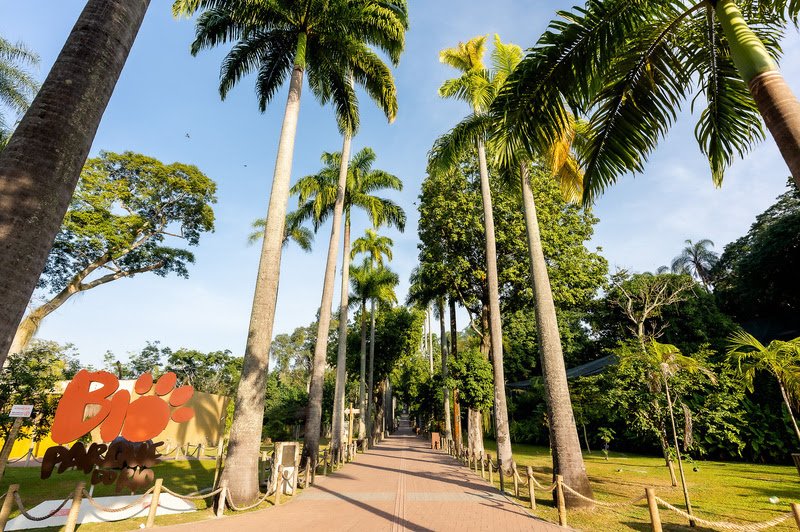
point(719, 491)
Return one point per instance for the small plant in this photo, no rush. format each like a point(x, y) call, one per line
point(606, 435)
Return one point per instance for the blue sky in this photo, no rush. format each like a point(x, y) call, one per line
point(164, 93)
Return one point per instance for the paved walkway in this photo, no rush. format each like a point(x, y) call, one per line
point(398, 485)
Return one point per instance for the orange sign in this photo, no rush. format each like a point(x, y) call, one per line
point(127, 462)
point(139, 420)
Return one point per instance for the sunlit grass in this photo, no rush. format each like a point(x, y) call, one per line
point(719, 491)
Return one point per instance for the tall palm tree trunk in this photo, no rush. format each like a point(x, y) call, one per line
point(502, 433)
point(341, 356)
point(445, 391)
point(566, 445)
point(241, 463)
point(314, 412)
point(454, 354)
point(371, 371)
point(777, 104)
point(40, 166)
point(362, 404)
point(678, 452)
point(475, 417)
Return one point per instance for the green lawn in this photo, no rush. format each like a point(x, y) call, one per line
point(719, 491)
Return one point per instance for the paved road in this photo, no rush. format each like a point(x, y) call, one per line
point(398, 485)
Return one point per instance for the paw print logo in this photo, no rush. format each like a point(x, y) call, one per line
point(141, 420)
point(149, 415)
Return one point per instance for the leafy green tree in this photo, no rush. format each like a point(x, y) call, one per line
point(756, 279)
point(331, 41)
point(214, 372)
point(780, 359)
point(17, 85)
point(293, 231)
point(317, 198)
point(51, 143)
point(660, 363)
point(126, 207)
point(633, 67)
point(697, 260)
point(30, 377)
point(472, 375)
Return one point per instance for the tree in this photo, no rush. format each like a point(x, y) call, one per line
point(214, 372)
point(331, 41)
point(293, 231)
point(29, 377)
point(17, 86)
point(661, 362)
point(755, 279)
point(780, 359)
point(50, 145)
point(317, 197)
point(697, 260)
point(124, 209)
point(477, 87)
point(633, 67)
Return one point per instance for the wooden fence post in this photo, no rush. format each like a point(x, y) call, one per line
point(562, 508)
point(223, 497)
point(652, 505)
point(529, 471)
point(483, 468)
point(796, 512)
point(516, 481)
point(325, 462)
point(500, 472)
point(491, 471)
point(72, 518)
point(151, 514)
point(279, 485)
point(8, 505)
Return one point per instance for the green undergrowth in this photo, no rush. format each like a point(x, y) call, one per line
point(719, 491)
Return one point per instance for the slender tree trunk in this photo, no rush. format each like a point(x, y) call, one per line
point(241, 463)
point(314, 412)
point(662, 430)
point(503, 435)
point(8, 445)
point(370, 386)
point(789, 408)
point(362, 404)
point(678, 452)
point(380, 412)
point(777, 104)
point(567, 458)
point(454, 354)
point(448, 429)
point(430, 339)
point(40, 166)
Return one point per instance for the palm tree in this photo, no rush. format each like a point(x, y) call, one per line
point(661, 362)
point(477, 87)
point(634, 66)
point(317, 196)
point(279, 40)
point(697, 260)
point(377, 284)
point(40, 166)
point(17, 86)
point(780, 358)
point(293, 231)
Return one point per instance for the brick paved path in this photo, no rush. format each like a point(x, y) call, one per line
point(398, 485)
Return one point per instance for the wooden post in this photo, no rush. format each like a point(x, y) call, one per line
point(562, 508)
point(796, 512)
point(279, 485)
point(325, 462)
point(531, 489)
point(8, 505)
point(483, 467)
point(516, 481)
point(491, 471)
point(72, 518)
point(655, 517)
point(151, 514)
point(223, 497)
point(308, 472)
point(218, 465)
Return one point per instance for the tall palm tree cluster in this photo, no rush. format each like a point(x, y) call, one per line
point(589, 101)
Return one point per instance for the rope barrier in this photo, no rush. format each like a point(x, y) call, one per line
point(725, 525)
point(102, 508)
point(192, 497)
point(244, 508)
point(24, 511)
point(604, 503)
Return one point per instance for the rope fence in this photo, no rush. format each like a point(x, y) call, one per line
point(484, 461)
